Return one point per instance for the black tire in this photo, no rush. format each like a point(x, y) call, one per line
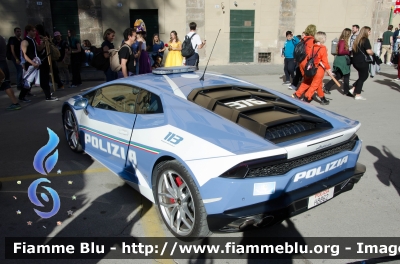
point(193, 225)
point(71, 130)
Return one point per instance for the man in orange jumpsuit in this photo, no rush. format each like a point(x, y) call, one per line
point(312, 84)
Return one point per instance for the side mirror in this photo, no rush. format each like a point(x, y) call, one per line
point(81, 103)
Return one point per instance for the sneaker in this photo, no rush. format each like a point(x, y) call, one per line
point(25, 100)
point(305, 99)
point(51, 99)
point(295, 96)
point(14, 107)
point(324, 101)
point(359, 97)
point(287, 83)
point(30, 94)
point(292, 87)
point(73, 86)
point(389, 63)
point(326, 90)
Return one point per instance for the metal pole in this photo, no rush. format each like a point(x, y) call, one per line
point(390, 17)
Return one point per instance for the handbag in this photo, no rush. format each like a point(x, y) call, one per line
point(368, 59)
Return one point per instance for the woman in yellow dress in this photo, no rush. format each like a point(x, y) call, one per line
point(174, 57)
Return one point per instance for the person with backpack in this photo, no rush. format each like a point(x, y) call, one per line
point(288, 54)
point(126, 56)
point(174, 56)
point(314, 72)
point(361, 60)
point(13, 54)
point(298, 76)
point(191, 52)
point(341, 64)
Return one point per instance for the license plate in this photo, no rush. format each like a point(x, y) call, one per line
point(320, 197)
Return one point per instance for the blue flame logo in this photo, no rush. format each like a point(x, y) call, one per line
point(44, 151)
point(32, 196)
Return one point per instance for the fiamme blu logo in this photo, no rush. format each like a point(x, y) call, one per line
point(43, 163)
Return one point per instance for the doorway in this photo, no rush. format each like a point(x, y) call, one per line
point(241, 37)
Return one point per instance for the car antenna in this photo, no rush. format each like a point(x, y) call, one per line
point(202, 77)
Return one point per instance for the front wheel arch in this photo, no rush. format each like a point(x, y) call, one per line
point(76, 147)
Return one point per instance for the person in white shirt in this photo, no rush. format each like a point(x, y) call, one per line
point(197, 44)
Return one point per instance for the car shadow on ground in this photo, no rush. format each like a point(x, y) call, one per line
point(387, 166)
point(252, 237)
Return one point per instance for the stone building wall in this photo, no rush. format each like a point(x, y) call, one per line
point(195, 12)
point(272, 19)
point(90, 21)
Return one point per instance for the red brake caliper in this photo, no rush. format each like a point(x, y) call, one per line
point(178, 182)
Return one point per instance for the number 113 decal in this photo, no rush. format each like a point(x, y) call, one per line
point(173, 138)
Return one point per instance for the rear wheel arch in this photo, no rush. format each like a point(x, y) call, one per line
point(174, 190)
point(159, 162)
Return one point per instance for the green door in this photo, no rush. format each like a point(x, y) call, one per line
point(150, 19)
point(65, 16)
point(241, 36)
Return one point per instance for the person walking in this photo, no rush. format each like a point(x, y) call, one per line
point(355, 31)
point(387, 43)
point(174, 56)
point(341, 64)
point(308, 40)
point(396, 40)
point(312, 84)
point(5, 77)
point(65, 57)
point(361, 51)
point(15, 45)
point(196, 44)
point(288, 54)
point(76, 59)
point(35, 57)
point(298, 75)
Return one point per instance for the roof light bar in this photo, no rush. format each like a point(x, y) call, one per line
point(176, 69)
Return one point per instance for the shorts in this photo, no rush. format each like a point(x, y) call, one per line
point(193, 61)
point(6, 84)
